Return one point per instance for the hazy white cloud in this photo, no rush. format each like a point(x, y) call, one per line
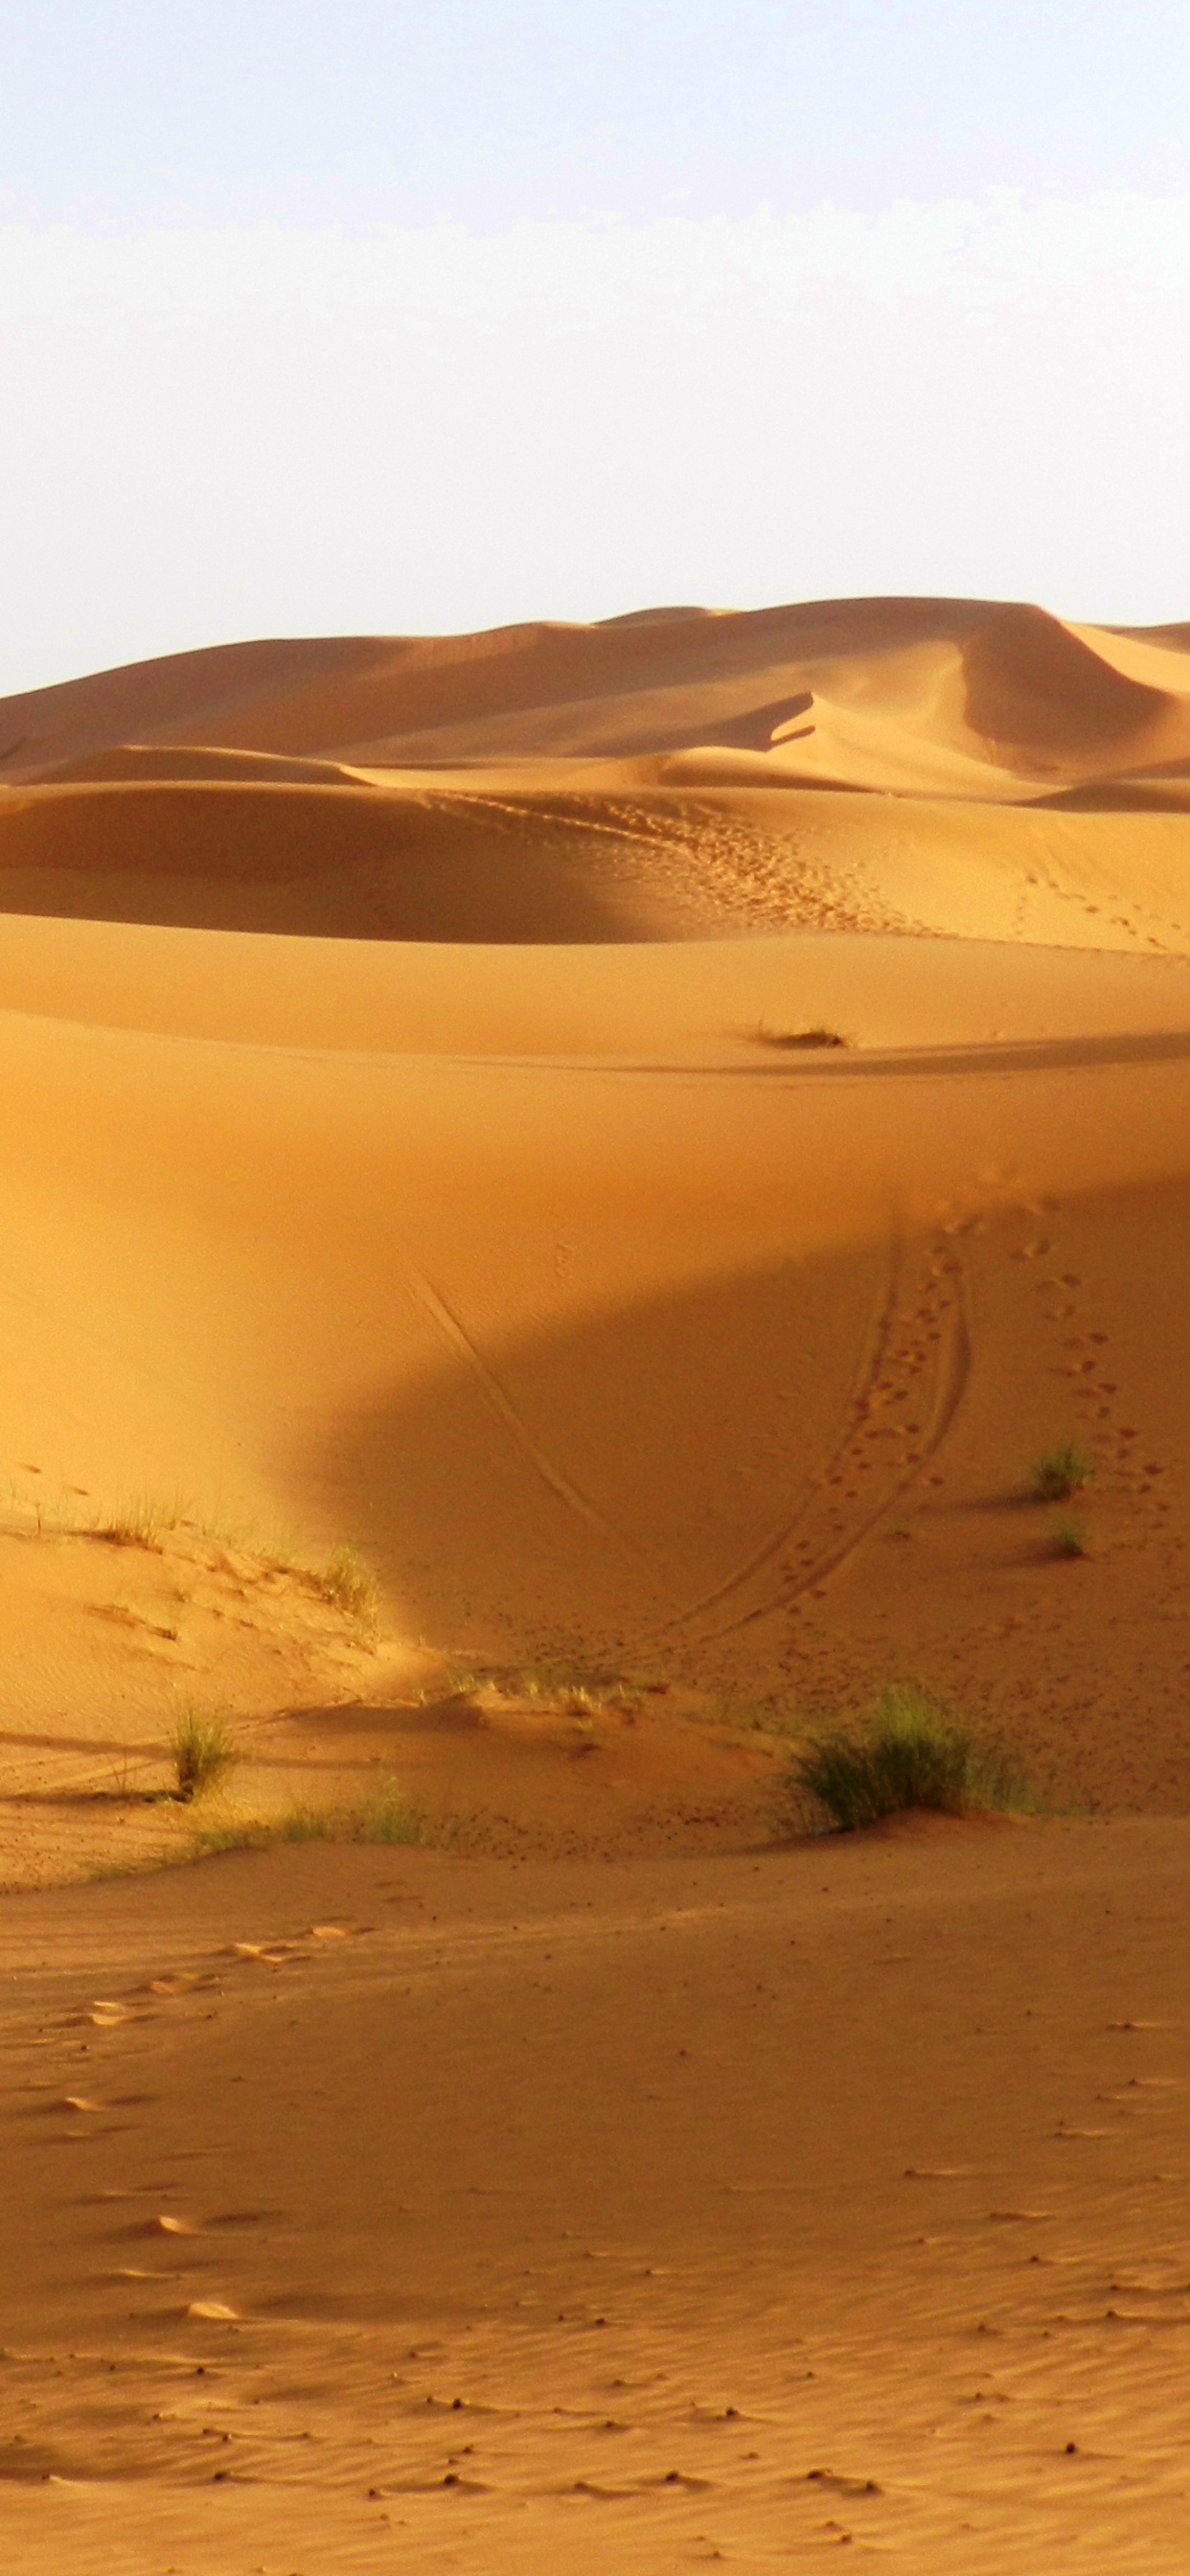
point(234, 431)
point(593, 272)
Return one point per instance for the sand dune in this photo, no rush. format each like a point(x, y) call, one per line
point(502, 1214)
point(1009, 686)
point(618, 858)
point(648, 1132)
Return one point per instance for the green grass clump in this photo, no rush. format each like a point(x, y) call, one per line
point(224, 1838)
point(387, 1817)
point(910, 1754)
point(1070, 1536)
point(301, 1824)
point(203, 1749)
point(1059, 1473)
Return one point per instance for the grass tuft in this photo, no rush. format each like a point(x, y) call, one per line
point(1059, 1473)
point(350, 1585)
point(225, 1838)
point(387, 1817)
point(203, 1750)
point(1070, 1536)
point(140, 1522)
point(910, 1754)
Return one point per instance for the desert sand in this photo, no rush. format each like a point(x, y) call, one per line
point(644, 1133)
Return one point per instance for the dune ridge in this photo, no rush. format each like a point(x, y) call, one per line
point(1011, 686)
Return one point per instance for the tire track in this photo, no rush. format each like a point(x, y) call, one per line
point(950, 1379)
point(879, 1330)
point(500, 1403)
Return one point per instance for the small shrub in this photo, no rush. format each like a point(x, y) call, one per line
point(350, 1585)
point(1070, 1537)
point(911, 1754)
point(203, 1749)
point(1059, 1473)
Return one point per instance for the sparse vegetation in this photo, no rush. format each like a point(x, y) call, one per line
point(557, 1677)
point(749, 1716)
point(819, 1036)
point(1070, 1536)
point(203, 1750)
point(910, 1754)
point(299, 1824)
point(579, 1690)
point(387, 1817)
point(212, 1839)
point(1059, 1473)
point(139, 1522)
point(350, 1585)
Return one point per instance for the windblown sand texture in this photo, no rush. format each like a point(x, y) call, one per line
point(647, 1131)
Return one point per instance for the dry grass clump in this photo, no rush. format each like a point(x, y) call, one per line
point(578, 1690)
point(1059, 1473)
point(1070, 1536)
point(579, 1702)
point(818, 1036)
point(910, 1754)
point(350, 1585)
point(139, 1522)
point(203, 1750)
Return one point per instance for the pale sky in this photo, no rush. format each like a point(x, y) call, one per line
point(405, 318)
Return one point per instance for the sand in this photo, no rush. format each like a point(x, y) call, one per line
point(644, 1133)
point(389, 2209)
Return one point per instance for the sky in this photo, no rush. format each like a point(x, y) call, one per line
point(396, 318)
